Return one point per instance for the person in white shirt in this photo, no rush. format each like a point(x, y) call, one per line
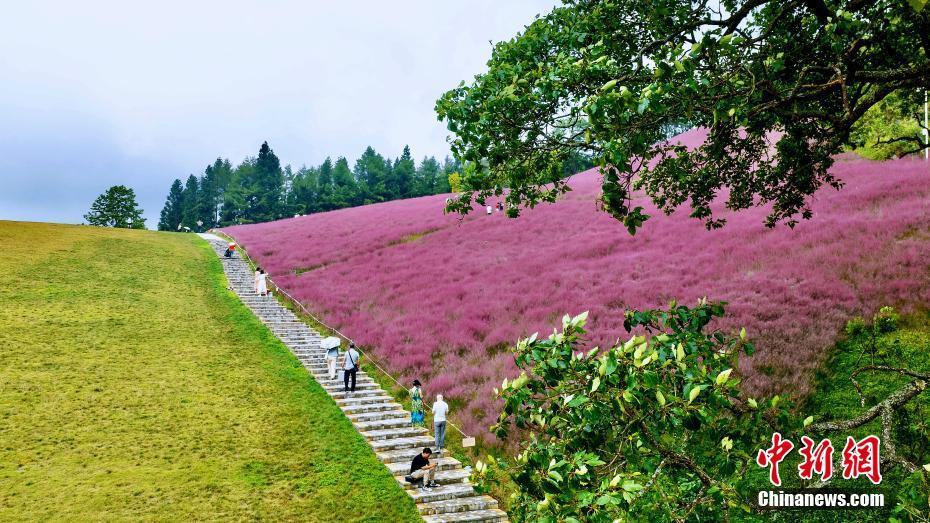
point(261, 285)
point(440, 409)
point(350, 366)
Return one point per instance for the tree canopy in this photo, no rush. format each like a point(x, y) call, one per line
point(780, 86)
point(116, 207)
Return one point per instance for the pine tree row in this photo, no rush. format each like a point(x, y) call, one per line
point(260, 190)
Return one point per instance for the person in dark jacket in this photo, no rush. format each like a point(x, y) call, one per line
point(422, 469)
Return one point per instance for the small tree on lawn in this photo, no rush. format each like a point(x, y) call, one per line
point(116, 207)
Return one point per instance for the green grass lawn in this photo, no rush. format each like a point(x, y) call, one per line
point(134, 385)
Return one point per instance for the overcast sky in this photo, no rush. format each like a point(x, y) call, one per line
point(97, 93)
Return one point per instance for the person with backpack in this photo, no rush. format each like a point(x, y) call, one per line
point(350, 367)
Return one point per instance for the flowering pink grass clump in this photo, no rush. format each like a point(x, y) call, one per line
point(438, 298)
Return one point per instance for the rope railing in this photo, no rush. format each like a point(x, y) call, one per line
point(296, 302)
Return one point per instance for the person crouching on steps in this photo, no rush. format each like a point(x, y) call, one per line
point(350, 367)
point(423, 470)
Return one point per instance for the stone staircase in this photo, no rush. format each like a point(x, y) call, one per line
point(383, 422)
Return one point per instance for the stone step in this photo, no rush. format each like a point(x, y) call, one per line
point(322, 376)
point(369, 407)
point(450, 506)
point(338, 394)
point(443, 477)
point(328, 384)
point(377, 415)
point(395, 432)
point(351, 399)
point(372, 415)
point(485, 516)
point(387, 423)
point(401, 443)
point(402, 455)
point(402, 468)
point(443, 492)
point(359, 385)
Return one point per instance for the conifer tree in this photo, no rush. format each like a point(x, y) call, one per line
point(171, 213)
point(427, 177)
point(116, 207)
point(190, 203)
point(266, 187)
point(402, 175)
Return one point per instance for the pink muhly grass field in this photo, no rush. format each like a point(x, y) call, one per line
point(443, 306)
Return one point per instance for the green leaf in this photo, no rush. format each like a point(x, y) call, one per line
point(752, 403)
point(808, 420)
point(555, 475)
point(693, 394)
point(580, 320)
point(660, 398)
point(577, 401)
point(917, 5)
point(722, 377)
point(595, 384)
point(608, 85)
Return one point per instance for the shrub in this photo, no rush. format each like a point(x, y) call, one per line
point(886, 320)
point(855, 326)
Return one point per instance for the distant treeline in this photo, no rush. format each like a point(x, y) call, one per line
point(260, 190)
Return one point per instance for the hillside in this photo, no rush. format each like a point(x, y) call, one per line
point(135, 386)
point(438, 297)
